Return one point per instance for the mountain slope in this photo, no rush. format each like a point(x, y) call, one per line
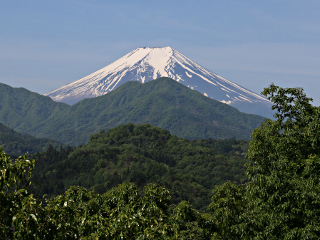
point(145, 64)
point(163, 103)
point(20, 109)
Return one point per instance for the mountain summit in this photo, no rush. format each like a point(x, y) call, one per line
point(145, 64)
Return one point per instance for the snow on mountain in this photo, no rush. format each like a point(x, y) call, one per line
point(145, 64)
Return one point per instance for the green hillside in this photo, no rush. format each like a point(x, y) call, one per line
point(143, 154)
point(163, 102)
point(17, 144)
point(21, 109)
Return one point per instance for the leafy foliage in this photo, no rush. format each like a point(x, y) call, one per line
point(282, 198)
point(17, 212)
point(228, 204)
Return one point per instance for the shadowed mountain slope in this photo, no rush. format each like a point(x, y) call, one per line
point(163, 102)
point(16, 144)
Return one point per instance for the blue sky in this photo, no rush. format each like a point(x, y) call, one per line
point(46, 44)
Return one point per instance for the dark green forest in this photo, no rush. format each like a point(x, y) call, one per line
point(17, 144)
point(143, 154)
point(279, 200)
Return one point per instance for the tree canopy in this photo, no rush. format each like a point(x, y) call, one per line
point(282, 198)
point(143, 154)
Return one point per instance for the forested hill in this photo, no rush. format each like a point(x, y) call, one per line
point(17, 144)
point(163, 102)
point(144, 154)
point(21, 109)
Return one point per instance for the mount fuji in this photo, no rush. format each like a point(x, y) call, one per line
point(146, 64)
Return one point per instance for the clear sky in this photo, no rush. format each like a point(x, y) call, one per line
point(47, 44)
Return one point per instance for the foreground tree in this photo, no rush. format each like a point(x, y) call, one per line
point(20, 211)
point(228, 205)
point(284, 191)
point(283, 196)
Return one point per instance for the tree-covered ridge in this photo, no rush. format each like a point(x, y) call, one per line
point(17, 144)
point(163, 102)
point(144, 154)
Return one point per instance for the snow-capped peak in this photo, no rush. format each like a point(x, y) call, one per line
point(144, 64)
